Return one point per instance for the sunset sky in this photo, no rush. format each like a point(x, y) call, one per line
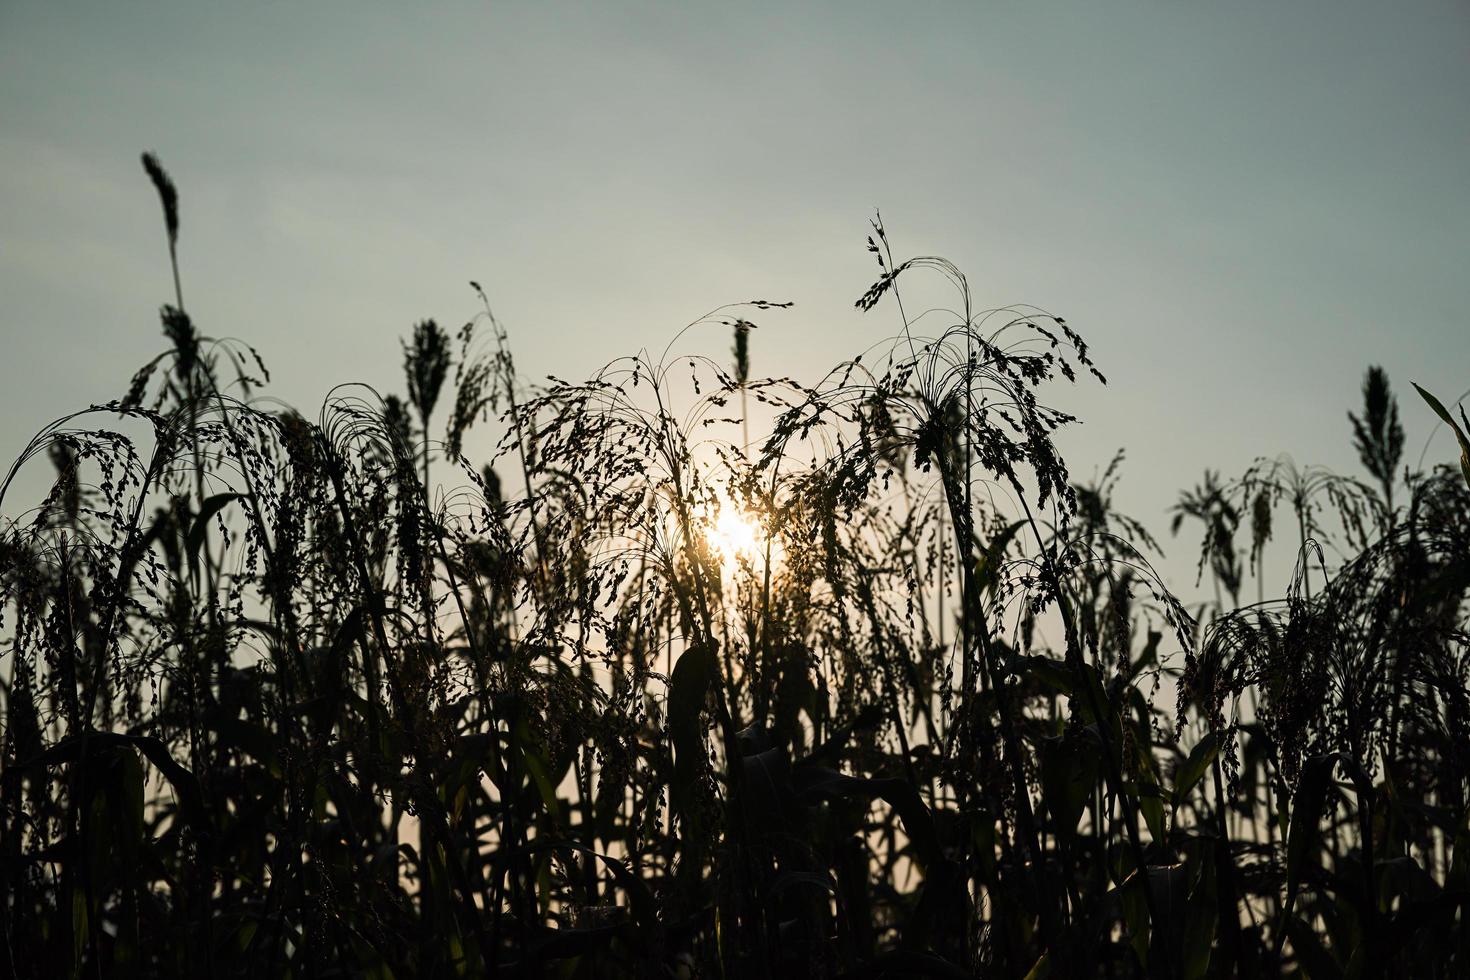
point(1239, 205)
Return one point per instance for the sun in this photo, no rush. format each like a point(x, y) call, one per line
point(735, 535)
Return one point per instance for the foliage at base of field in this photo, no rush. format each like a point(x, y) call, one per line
point(881, 691)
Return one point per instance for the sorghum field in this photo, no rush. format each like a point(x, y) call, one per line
point(702, 673)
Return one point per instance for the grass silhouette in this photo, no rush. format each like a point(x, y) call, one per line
point(881, 691)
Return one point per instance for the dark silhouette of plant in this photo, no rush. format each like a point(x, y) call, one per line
point(1377, 435)
point(882, 692)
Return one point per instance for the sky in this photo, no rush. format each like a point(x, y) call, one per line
point(1240, 205)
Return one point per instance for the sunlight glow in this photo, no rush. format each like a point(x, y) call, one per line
point(736, 536)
